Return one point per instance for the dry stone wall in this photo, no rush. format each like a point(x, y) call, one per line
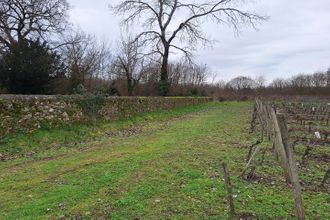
point(29, 113)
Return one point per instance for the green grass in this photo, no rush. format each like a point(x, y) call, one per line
point(69, 136)
point(168, 167)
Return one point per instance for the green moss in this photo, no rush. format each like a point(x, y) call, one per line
point(69, 134)
point(91, 105)
point(79, 109)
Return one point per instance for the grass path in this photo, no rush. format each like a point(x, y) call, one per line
point(166, 169)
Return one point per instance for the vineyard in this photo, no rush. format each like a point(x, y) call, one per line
point(217, 160)
point(300, 136)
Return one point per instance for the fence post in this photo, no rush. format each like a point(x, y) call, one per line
point(279, 147)
point(293, 167)
point(229, 189)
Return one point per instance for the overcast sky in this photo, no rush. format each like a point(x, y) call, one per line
point(295, 39)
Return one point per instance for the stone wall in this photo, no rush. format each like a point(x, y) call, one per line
point(29, 113)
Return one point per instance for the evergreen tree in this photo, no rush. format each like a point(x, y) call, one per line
point(28, 67)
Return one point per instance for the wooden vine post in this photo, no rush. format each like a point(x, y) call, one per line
point(279, 147)
point(293, 170)
point(229, 189)
point(274, 126)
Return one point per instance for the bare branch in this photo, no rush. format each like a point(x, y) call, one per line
point(20, 19)
point(159, 17)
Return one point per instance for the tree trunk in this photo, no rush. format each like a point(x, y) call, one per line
point(129, 87)
point(164, 85)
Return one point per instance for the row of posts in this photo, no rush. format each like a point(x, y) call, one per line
point(274, 126)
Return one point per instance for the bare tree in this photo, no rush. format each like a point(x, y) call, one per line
point(86, 59)
point(319, 79)
point(279, 84)
point(129, 64)
point(161, 16)
point(29, 19)
point(242, 83)
point(213, 77)
point(221, 84)
point(187, 73)
point(301, 81)
point(260, 81)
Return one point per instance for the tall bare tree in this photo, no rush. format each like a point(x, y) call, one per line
point(30, 19)
point(177, 24)
point(129, 64)
point(86, 59)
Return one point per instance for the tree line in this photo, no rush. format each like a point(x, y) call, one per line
point(42, 53)
point(316, 84)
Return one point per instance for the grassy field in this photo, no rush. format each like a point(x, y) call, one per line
point(163, 165)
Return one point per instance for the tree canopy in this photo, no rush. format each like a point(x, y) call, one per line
point(29, 68)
